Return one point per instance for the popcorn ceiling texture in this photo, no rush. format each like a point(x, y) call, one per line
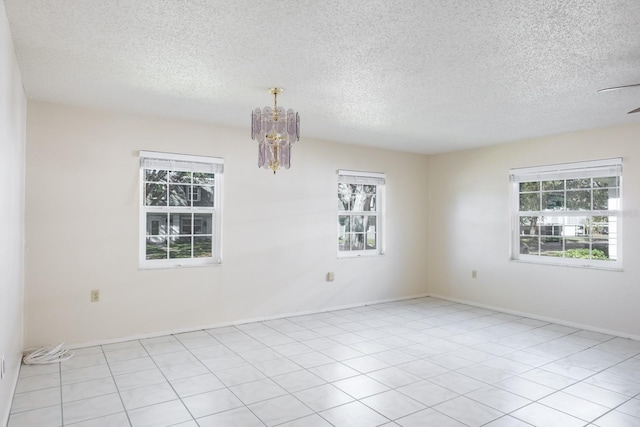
point(425, 76)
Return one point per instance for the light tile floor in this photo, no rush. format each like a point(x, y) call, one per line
point(420, 362)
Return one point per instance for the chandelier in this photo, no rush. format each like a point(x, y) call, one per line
point(276, 131)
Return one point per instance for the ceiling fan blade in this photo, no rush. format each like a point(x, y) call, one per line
point(618, 87)
point(637, 110)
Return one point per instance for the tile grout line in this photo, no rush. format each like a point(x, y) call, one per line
point(267, 376)
point(206, 331)
point(61, 399)
point(386, 313)
point(579, 381)
point(116, 385)
point(193, 418)
point(541, 367)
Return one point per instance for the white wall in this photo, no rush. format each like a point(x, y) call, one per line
point(12, 170)
point(446, 215)
point(470, 223)
point(279, 236)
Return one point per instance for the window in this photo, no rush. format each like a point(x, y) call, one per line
point(568, 214)
point(194, 194)
point(360, 207)
point(180, 216)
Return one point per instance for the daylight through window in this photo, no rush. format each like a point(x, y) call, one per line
point(180, 210)
point(360, 207)
point(568, 214)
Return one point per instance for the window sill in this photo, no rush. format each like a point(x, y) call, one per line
point(360, 255)
point(571, 265)
point(164, 266)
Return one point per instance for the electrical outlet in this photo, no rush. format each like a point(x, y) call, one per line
point(474, 274)
point(95, 295)
point(331, 276)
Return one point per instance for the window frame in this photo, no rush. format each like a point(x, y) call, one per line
point(564, 172)
point(366, 178)
point(183, 163)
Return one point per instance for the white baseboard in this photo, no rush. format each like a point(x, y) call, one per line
point(239, 322)
point(538, 317)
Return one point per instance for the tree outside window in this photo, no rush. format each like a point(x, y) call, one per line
point(562, 215)
point(359, 214)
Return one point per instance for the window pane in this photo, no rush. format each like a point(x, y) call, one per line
point(344, 196)
point(551, 229)
point(358, 223)
point(180, 247)
point(529, 245)
point(155, 195)
point(180, 223)
point(605, 199)
point(343, 242)
point(357, 241)
point(156, 248)
point(600, 226)
point(202, 223)
point(605, 249)
point(530, 202)
point(576, 247)
point(579, 183)
point(576, 226)
point(202, 247)
point(553, 185)
point(343, 228)
point(343, 204)
point(547, 224)
point(184, 177)
point(552, 201)
point(529, 225)
point(185, 225)
point(371, 233)
point(156, 224)
point(579, 200)
point(369, 198)
point(611, 181)
point(203, 178)
point(583, 252)
point(155, 175)
point(203, 195)
point(371, 240)
point(530, 186)
point(179, 195)
point(551, 246)
point(357, 198)
point(370, 203)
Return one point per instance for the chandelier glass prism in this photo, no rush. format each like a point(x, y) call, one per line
point(276, 130)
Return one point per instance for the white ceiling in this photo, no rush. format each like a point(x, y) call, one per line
point(423, 76)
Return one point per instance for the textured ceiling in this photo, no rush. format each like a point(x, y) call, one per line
point(424, 76)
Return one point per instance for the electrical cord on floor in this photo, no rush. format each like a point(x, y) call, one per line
point(45, 355)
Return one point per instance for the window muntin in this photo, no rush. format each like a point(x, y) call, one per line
point(360, 204)
point(180, 210)
point(569, 214)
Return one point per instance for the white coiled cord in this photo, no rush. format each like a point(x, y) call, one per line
point(45, 355)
